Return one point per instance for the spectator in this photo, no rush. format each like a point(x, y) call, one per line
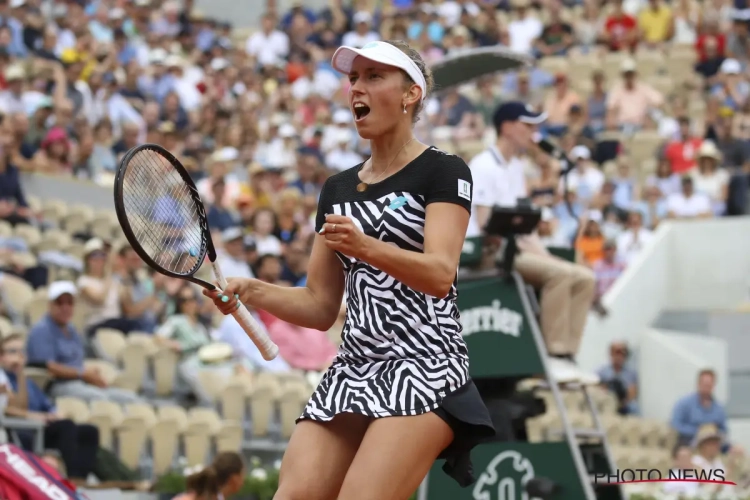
point(657, 23)
point(139, 301)
point(362, 34)
point(55, 344)
point(620, 29)
point(694, 410)
point(220, 217)
point(730, 89)
point(232, 259)
point(682, 153)
point(100, 290)
point(711, 180)
point(264, 225)
point(632, 241)
point(186, 335)
point(559, 104)
point(77, 443)
point(222, 479)
point(586, 179)
point(682, 460)
point(13, 205)
point(342, 156)
point(687, 204)
point(629, 102)
point(607, 269)
point(621, 379)
point(590, 240)
point(524, 29)
point(557, 36)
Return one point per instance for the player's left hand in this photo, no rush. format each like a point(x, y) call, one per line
point(342, 235)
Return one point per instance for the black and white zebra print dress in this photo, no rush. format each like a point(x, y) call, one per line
point(402, 351)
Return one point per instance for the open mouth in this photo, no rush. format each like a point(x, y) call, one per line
point(361, 111)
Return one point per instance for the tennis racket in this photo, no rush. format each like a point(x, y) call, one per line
point(162, 215)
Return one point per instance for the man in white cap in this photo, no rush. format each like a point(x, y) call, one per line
point(231, 259)
point(362, 33)
point(55, 344)
point(343, 157)
point(586, 179)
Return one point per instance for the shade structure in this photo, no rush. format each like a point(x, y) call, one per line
point(465, 67)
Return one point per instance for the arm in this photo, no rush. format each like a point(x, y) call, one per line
point(134, 309)
point(680, 416)
point(21, 399)
point(94, 294)
point(448, 199)
point(315, 305)
point(41, 352)
point(483, 195)
point(434, 271)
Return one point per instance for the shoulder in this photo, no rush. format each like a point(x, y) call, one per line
point(446, 165)
point(483, 160)
point(40, 328)
point(687, 400)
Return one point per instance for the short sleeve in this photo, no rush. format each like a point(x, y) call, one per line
point(483, 194)
point(324, 205)
point(40, 347)
point(451, 182)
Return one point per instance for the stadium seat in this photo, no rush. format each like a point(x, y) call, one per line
point(176, 414)
point(53, 240)
point(36, 308)
point(144, 339)
point(165, 441)
point(106, 416)
point(109, 372)
point(6, 327)
point(263, 396)
point(165, 370)
point(134, 360)
point(17, 291)
point(108, 344)
point(54, 210)
point(292, 400)
point(73, 408)
point(132, 435)
point(30, 234)
point(40, 376)
point(6, 230)
point(211, 382)
point(233, 399)
point(202, 426)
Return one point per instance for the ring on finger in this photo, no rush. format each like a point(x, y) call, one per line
point(333, 229)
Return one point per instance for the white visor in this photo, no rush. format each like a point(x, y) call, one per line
point(380, 52)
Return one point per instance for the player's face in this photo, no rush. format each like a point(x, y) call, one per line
point(376, 97)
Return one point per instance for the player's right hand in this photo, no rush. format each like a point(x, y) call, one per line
point(228, 300)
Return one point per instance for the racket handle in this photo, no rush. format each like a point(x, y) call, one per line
point(265, 345)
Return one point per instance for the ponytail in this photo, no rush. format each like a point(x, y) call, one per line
point(205, 484)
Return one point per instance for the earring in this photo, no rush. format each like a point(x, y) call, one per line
point(404, 108)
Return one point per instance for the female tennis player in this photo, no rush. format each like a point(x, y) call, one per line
point(398, 394)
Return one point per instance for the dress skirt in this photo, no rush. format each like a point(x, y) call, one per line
point(404, 388)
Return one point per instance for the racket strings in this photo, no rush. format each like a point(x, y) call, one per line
point(162, 213)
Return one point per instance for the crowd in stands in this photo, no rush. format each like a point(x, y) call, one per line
point(650, 100)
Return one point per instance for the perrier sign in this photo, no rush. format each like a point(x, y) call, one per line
point(496, 329)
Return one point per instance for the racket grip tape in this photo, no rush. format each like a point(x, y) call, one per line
point(265, 345)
